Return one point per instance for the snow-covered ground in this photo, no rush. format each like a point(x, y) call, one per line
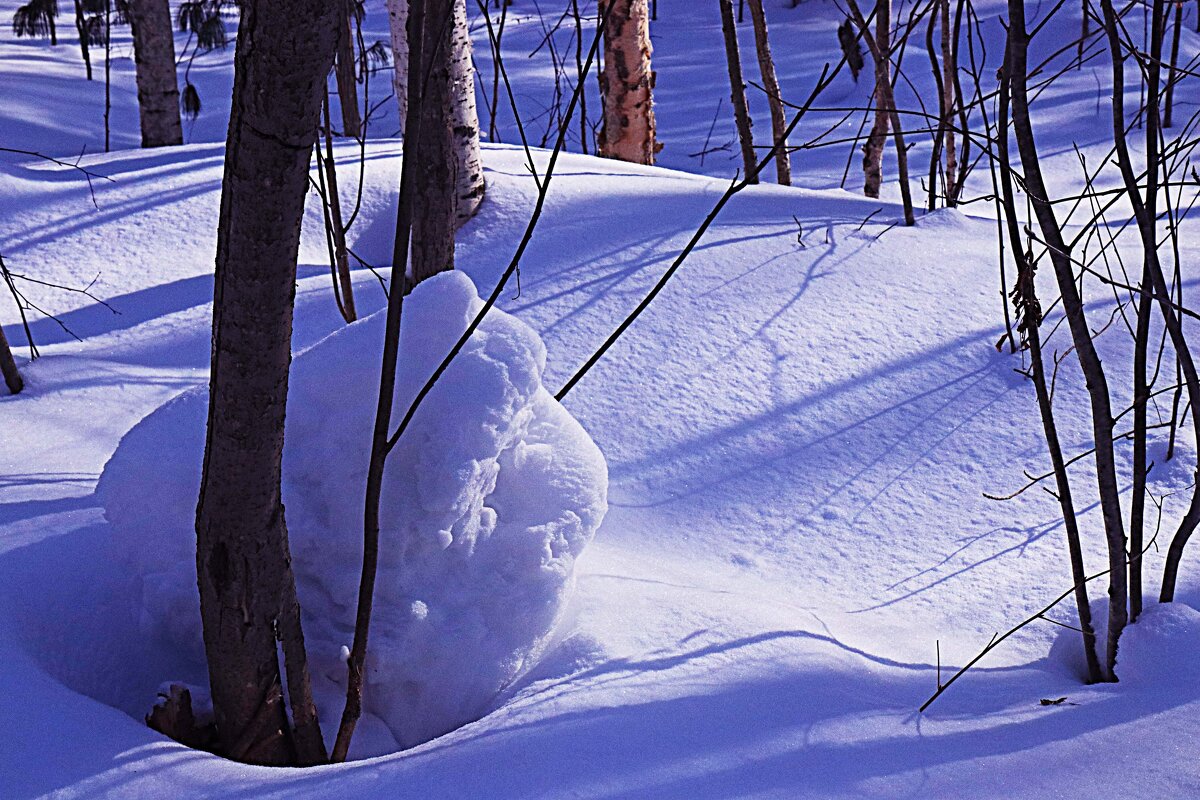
point(798, 432)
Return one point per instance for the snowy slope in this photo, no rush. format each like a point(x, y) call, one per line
point(798, 435)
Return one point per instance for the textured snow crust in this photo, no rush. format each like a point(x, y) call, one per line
point(489, 499)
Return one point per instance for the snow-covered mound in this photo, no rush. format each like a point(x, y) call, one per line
point(488, 500)
point(1162, 648)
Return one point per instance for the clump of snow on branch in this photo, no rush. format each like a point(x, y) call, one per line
point(489, 499)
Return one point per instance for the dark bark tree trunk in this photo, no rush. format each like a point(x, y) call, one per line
point(1142, 336)
point(335, 227)
point(8, 366)
point(1169, 103)
point(415, 27)
point(247, 590)
point(434, 224)
point(347, 84)
point(964, 153)
point(1016, 66)
point(766, 66)
point(1030, 312)
point(81, 28)
point(158, 88)
point(939, 136)
point(1144, 211)
point(737, 85)
point(628, 132)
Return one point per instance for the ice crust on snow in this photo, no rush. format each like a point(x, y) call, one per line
point(489, 499)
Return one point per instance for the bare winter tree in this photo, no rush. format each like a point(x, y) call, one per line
point(944, 76)
point(1016, 72)
point(247, 590)
point(346, 72)
point(766, 66)
point(873, 149)
point(737, 87)
point(628, 132)
point(1029, 316)
point(454, 66)
point(158, 88)
point(949, 98)
point(879, 44)
point(398, 12)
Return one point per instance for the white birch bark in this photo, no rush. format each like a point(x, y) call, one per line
point(627, 83)
point(464, 115)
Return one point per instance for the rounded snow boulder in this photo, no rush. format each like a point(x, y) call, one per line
point(488, 500)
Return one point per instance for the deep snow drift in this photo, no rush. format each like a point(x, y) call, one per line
point(489, 498)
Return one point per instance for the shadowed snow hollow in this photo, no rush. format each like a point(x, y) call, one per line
point(488, 500)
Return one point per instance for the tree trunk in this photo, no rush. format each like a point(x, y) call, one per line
point(1081, 335)
point(345, 73)
point(949, 68)
point(81, 28)
point(335, 228)
point(459, 96)
point(1084, 31)
point(8, 366)
point(1171, 74)
point(766, 66)
point(1144, 211)
point(873, 149)
point(247, 590)
point(885, 102)
point(1029, 308)
point(737, 85)
point(433, 149)
point(158, 89)
point(356, 663)
point(935, 157)
point(627, 83)
point(1147, 225)
point(469, 185)
point(397, 22)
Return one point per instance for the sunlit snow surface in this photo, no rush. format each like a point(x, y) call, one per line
point(798, 436)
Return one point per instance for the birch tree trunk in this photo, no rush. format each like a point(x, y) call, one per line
point(467, 173)
point(158, 88)
point(886, 102)
point(737, 87)
point(469, 184)
point(766, 66)
point(949, 67)
point(247, 589)
point(873, 149)
point(8, 366)
point(628, 131)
